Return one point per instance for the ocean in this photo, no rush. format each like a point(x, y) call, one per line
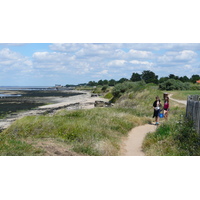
point(27, 88)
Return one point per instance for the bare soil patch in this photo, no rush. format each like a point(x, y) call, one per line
point(132, 145)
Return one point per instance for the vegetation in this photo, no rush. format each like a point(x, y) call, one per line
point(99, 131)
point(172, 84)
point(182, 95)
point(149, 77)
point(88, 132)
point(173, 138)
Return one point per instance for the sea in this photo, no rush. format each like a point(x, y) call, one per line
point(27, 87)
point(22, 88)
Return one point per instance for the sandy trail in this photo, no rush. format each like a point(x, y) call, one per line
point(133, 143)
point(179, 101)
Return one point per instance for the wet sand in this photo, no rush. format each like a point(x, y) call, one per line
point(82, 100)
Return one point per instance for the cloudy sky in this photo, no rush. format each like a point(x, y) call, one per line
point(45, 64)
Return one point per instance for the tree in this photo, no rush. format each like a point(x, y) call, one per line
point(194, 78)
point(105, 82)
point(92, 83)
point(100, 82)
point(172, 76)
point(184, 79)
point(122, 80)
point(163, 79)
point(149, 77)
point(111, 82)
point(135, 77)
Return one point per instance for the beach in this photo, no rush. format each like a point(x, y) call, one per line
point(43, 102)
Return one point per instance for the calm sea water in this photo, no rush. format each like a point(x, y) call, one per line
point(22, 88)
point(27, 88)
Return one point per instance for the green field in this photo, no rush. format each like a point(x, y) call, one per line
point(182, 95)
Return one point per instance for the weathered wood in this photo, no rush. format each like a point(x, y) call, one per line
point(193, 110)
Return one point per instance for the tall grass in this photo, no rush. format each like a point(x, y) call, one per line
point(176, 137)
point(141, 102)
point(182, 95)
point(90, 132)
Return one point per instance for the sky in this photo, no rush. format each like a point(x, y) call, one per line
point(47, 64)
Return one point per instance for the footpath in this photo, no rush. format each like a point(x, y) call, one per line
point(132, 145)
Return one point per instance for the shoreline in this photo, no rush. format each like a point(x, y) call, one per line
point(81, 101)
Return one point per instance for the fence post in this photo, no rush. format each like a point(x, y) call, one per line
point(193, 111)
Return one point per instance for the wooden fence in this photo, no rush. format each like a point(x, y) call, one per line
point(193, 110)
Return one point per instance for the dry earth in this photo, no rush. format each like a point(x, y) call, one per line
point(132, 145)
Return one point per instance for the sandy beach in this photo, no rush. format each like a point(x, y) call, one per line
point(81, 101)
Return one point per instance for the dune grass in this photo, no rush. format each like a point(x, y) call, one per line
point(182, 95)
point(89, 132)
point(173, 138)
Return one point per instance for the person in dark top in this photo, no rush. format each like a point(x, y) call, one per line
point(157, 107)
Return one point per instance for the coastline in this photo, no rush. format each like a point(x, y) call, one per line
point(81, 101)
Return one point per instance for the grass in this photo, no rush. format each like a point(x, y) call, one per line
point(182, 95)
point(99, 131)
point(174, 138)
point(90, 132)
point(141, 102)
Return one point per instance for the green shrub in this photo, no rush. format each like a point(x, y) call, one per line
point(121, 88)
point(173, 138)
point(172, 84)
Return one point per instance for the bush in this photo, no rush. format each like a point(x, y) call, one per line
point(104, 88)
point(172, 84)
point(121, 88)
point(194, 86)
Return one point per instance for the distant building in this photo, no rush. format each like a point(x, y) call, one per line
point(198, 81)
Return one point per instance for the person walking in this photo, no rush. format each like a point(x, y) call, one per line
point(166, 107)
point(157, 107)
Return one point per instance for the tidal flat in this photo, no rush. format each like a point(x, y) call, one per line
point(12, 101)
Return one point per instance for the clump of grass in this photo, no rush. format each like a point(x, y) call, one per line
point(140, 101)
point(174, 138)
point(11, 146)
point(91, 132)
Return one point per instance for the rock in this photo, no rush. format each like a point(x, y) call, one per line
point(102, 104)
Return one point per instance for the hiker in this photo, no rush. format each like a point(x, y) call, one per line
point(157, 107)
point(166, 107)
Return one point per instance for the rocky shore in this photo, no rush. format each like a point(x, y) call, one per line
point(81, 100)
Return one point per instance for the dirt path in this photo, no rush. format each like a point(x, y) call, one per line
point(133, 143)
point(178, 101)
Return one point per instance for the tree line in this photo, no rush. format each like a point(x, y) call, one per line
point(147, 76)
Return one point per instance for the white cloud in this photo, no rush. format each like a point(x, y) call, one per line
point(103, 72)
point(185, 55)
point(14, 61)
point(140, 54)
point(136, 62)
point(116, 63)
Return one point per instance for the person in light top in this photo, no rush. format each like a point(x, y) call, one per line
point(156, 106)
point(166, 107)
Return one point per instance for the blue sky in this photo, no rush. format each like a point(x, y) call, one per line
point(47, 64)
